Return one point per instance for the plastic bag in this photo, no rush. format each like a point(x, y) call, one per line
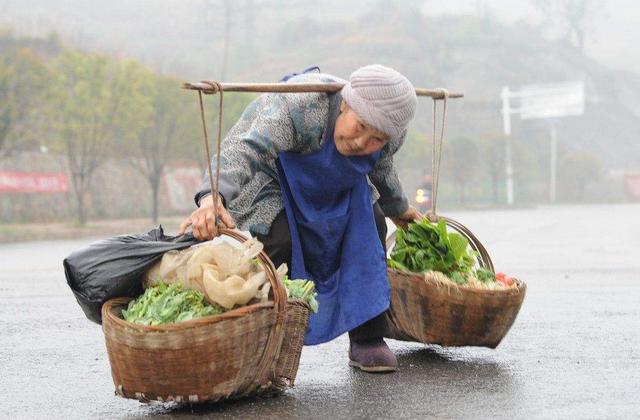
point(171, 267)
point(236, 261)
point(114, 267)
point(181, 266)
point(232, 290)
point(224, 273)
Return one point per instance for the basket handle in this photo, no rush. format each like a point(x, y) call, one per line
point(483, 256)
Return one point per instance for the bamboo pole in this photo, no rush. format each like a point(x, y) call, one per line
point(208, 88)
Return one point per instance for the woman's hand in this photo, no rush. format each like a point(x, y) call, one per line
point(201, 220)
point(405, 218)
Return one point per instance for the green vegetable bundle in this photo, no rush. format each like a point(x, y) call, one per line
point(303, 290)
point(427, 246)
point(167, 304)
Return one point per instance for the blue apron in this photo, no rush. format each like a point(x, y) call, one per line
point(334, 238)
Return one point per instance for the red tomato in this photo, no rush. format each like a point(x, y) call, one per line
point(500, 276)
point(507, 281)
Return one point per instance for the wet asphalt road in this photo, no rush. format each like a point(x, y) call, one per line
point(572, 352)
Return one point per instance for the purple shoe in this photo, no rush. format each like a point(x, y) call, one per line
point(372, 355)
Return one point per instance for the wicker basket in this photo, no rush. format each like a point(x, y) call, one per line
point(427, 310)
point(250, 350)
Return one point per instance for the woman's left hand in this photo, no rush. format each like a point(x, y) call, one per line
point(403, 220)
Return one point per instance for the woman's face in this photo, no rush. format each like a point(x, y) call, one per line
point(354, 137)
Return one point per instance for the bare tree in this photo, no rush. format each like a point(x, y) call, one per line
point(492, 151)
point(211, 19)
point(249, 6)
point(460, 161)
point(577, 171)
point(576, 19)
point(94, 103)
point(170, 134)
point(23, 83)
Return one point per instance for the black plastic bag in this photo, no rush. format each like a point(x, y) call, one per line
point(114, 267)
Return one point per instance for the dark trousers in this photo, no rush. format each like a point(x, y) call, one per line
point(277, 245)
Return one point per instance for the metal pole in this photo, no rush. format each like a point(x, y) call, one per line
point(506, 117)
point(553, 165)
point(509, 172)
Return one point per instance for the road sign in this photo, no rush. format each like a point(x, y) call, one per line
point(551, 101)
point(546, 101)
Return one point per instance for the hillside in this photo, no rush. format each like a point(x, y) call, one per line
point(270, 38)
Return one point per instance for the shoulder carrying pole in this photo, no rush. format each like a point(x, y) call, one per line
point(215, 87)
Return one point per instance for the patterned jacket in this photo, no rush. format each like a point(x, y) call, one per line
point(293, 122)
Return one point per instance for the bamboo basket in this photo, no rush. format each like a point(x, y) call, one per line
point(250, 350)
point(429, 311)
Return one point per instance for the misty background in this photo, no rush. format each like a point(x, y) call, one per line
point(91, 91)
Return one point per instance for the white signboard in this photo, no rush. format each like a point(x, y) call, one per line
point(549, 101)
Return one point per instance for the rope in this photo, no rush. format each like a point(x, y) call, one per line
point(436, 152)
point(214, 185)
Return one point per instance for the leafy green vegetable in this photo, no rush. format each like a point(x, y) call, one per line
point(485, 276)
point(167, 304)
point(303, 290)
point(458, 277)
point(427, 246)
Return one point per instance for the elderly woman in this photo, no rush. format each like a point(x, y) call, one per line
point(312, 176)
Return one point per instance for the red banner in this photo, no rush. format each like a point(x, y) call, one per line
point(33, 182)
point(632, 185)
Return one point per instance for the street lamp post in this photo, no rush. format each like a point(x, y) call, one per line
point(553, 162)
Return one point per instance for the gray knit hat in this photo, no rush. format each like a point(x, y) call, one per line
point(382, 97)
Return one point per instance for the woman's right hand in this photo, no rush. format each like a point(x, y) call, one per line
point(202, 220)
